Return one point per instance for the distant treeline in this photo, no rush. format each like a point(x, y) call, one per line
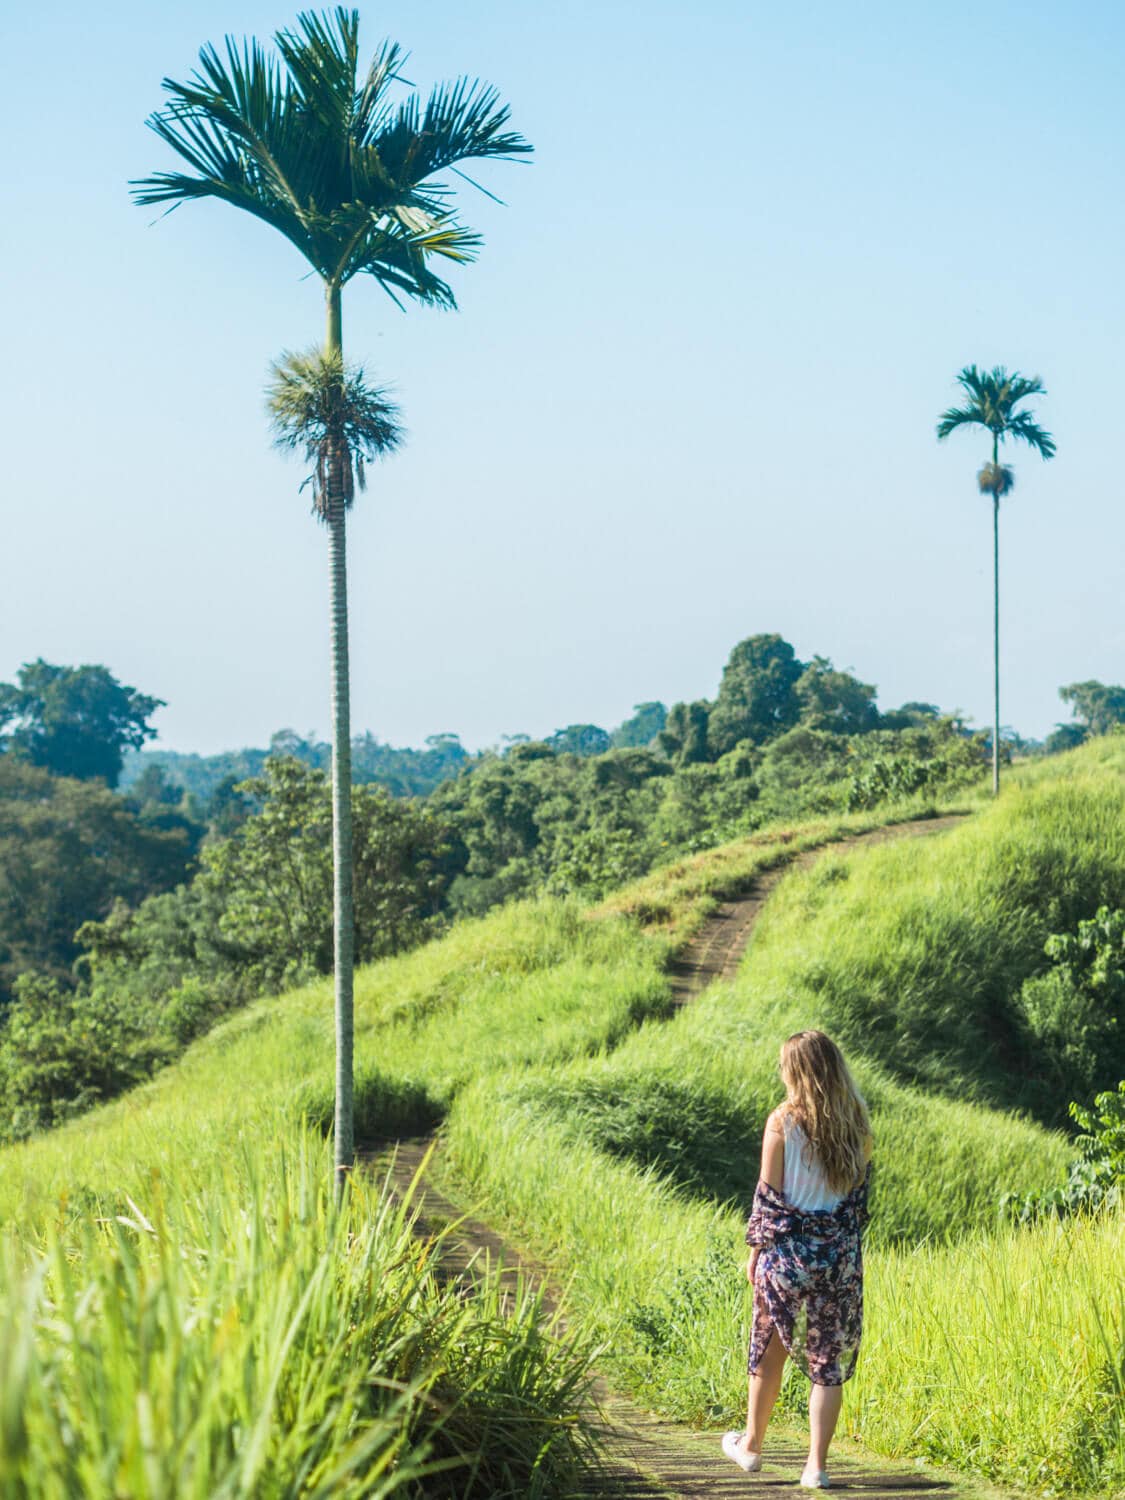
point(405, 772)
point(698, 731)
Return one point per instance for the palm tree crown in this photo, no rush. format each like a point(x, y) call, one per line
point(319, 404)
point(326, 157)
point(993, 396)
point(996, 480)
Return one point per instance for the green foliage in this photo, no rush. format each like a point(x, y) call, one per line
point(67, 849)
point(1065, 737)
point(73, 721)
point(1075, 1012)
point(924, 953)
point(257, 915)
point(318, 150)
point(580, 739)
point(757, 695)
point(275, 874)
point(261, 906)
point(1098, 708)
point(506, 1018)
point(684, 736)
point(991, 401)
point(1102, 1143)
point(639, 731)
point(934, 756)
point(210, 778)
point(324, 408)
point(533, 819)
point(1095, 1179)
point(835, 701)
point(62, 1052)
point(885, 777)
point(618, 1167)
point(567, 817)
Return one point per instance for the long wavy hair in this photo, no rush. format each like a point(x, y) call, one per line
point(825, 1103)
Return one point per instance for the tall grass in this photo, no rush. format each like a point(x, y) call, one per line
point(178, 1315)
point(1002, 1354)
point(238, 1339)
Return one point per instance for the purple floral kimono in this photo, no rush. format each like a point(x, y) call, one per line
point(808, 1283)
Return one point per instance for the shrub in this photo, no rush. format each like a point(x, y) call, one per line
point(61, 1053)
point(1075, 1012)
point(1096, 1177)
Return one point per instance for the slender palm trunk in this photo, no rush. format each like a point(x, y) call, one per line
point(995, 624)
point(343, 914)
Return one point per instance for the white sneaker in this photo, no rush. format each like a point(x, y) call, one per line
point(818, 1481)
point(749, 1463)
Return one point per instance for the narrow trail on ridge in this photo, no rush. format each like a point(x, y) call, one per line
point(649, 1457)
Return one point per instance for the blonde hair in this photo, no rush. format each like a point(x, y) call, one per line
point(826, 1104)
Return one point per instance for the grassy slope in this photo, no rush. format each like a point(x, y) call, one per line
point(582, 1160)
point(474, 1018)
point(531, 983)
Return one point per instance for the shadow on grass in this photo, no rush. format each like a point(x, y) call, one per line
point(691, 1137)
point(386, 1106)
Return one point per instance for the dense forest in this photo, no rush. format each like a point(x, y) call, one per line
point(143, 894)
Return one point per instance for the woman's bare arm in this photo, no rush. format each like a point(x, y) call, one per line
point(773, 1152)
point(772, 1171)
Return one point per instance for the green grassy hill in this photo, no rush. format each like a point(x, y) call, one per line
point(615, 1141)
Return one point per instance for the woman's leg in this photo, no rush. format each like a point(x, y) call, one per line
point(824, 1411)
point(764, 1386)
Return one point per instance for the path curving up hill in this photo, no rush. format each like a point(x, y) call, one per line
point(650, 1458)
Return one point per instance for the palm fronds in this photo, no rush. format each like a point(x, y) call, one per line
point(319, 404)
point(327, 157)
point(993, 396)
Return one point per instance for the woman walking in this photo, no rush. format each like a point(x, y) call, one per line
point(806, 1262)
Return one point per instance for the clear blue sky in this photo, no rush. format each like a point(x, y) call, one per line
point(690, 392)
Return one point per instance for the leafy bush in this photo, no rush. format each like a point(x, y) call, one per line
point(1075, 1012)
point(67, 849)
point(890, 766)
point(1096, 1177)
point(61, 1053)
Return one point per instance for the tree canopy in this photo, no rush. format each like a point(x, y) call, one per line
point(641, 728)
point(756, 695)
point(68, 849)
point(1097, 706)
point(73, 721)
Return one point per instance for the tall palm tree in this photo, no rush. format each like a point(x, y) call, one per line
point(326, 156)
point(992, 397)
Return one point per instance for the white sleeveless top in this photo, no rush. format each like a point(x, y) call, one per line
point(804, 1183)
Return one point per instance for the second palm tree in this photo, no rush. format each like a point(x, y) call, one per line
point(992, 397)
